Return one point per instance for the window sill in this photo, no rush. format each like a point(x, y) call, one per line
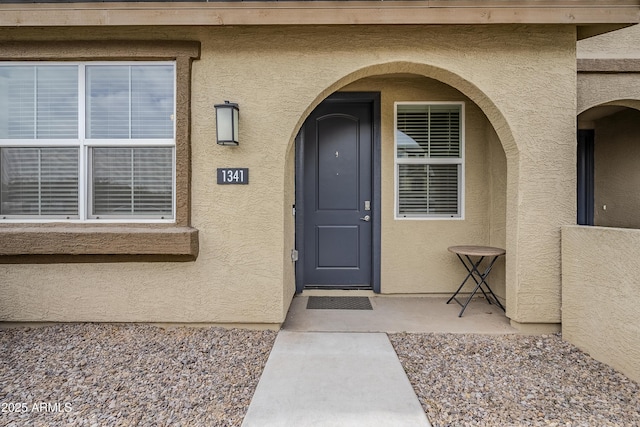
point(125, 239)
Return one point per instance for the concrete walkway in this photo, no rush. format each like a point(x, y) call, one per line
point(334, 379)
point(337, 367)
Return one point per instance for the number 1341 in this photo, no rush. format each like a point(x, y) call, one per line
point(233, 175)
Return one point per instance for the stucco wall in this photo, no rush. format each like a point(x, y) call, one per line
point(278, 75)
point(497, 165)
point(617, 176)
point(601, 278)
point(624, 43)
point(596, 89)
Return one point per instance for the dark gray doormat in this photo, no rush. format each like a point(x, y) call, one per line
point(339, 303)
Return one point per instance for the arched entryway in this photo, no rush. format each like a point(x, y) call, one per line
point(412, 257)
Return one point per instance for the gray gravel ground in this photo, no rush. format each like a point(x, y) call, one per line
point(514, 380)
point(140, 375)
point(129, 375)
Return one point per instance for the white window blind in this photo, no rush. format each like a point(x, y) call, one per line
point(87, 141)
point(429, 163)
point(134, 102)
point(57, 102)
point(39, 102)
point(108, 102)
point(135, 181)
point(152, 102)
point(39, 181)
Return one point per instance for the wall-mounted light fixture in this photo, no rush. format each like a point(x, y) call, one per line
point(227, 123)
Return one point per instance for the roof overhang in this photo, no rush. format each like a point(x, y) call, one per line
point(590, 16)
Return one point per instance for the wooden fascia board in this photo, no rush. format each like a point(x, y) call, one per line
point(570, 12)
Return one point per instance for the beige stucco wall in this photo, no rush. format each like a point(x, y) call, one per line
point(596, 89)
point(618, 87)
point(601, 278)
point(624, 43)
point(497, 165)
point(608, 104)
point(278, 74)
point(616, 174)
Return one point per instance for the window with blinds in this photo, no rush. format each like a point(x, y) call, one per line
point(87, 141)
point(429, 160)
point(132, 181)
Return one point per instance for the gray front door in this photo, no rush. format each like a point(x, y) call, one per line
point(335, 158)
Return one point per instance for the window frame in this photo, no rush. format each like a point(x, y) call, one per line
point(459, 161)
point(124, 240)
point(85, 145)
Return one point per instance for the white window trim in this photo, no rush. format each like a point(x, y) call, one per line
point(460, 161)
point(83, 144)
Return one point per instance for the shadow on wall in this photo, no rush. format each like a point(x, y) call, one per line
point(614, 172)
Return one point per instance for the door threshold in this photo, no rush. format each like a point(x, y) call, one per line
point(338, 292)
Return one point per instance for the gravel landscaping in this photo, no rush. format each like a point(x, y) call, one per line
point(129, 375)
point(140, 375)
point(514, 380)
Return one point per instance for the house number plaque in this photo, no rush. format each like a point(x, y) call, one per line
point(233, 176)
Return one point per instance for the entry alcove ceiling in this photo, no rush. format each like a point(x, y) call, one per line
point(591, 17)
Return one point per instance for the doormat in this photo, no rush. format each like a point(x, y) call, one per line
point(339, 303)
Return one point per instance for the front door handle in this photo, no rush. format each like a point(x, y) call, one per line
point(366, 218)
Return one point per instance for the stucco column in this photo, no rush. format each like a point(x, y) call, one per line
point(541, 199)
